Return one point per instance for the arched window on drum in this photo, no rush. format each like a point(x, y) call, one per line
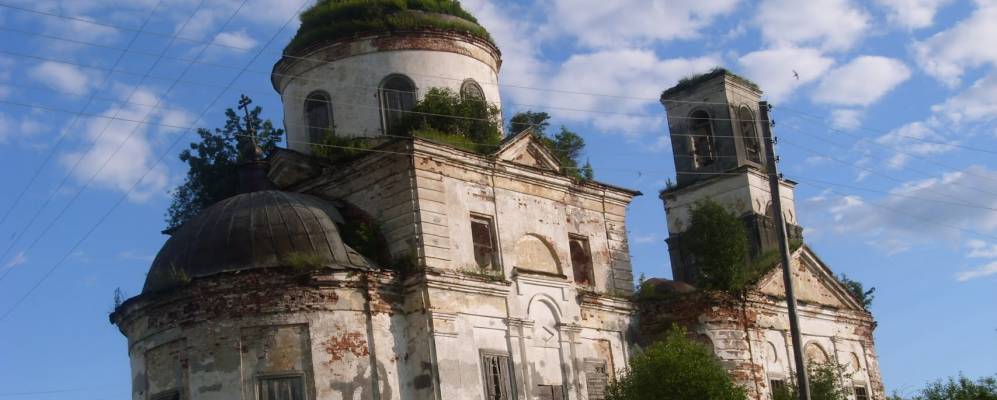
point(318, 116)
point(397, 97)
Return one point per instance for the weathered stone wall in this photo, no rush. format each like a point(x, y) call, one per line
point(351, 72)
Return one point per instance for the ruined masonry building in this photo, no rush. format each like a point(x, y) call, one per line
point(419, 270)
point(493, 276)
point(719, 155)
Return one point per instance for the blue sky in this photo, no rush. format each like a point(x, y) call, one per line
point(889, 130)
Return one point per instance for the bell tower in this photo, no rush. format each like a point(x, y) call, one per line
point(719, 155)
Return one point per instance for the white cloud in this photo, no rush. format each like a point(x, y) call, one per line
point(862, 81)
point(918, 213)
point(982, 271)
point(947, 54)
point(773, 69)
point(122, 151)
point(846, 119)
point(826, 24)
point(61, 76)
point(981, 249)
point(916, 138)
point(239, 39)
point(622, 23)
point(649, 238)
point(978, 103)
point(619, 71)
point(913, 14)
point(18, 259)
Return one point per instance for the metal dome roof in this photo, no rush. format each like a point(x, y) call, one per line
point(250, 231)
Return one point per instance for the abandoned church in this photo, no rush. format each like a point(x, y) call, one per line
point(425, 269)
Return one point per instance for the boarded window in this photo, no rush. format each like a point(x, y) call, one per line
point(596, 378)
point(581, 260)
point(318, 116)
point(752, 147)
point(482, 234)
point(861, 393)
point(703, 144)
point(397, 97)
point(498, 381)
point(288, 387)
point(550, 392)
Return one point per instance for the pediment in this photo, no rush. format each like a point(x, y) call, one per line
point(813, 282)
point(525, 148)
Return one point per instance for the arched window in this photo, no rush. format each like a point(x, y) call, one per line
point(703, 145)
point(397, 96)
point(318, 115)
point(471, 90)
point(749, 134)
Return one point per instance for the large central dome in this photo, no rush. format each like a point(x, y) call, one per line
point(249, 231)
point(332, 20)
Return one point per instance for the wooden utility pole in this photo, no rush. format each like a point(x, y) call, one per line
point(802, 382)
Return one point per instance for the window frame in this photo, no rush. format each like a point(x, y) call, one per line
point(167, 395)
point(589, 269)
point(260, 378)
point(489, 222)
point(471, 84)
point(697, 139)
point(509, 382)
point(865, 392)
point(753, 136)
point(318, 96)
point(392, 116)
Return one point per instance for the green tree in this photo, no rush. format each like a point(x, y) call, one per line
point(566, 145)
point(676, 368)
point(825, 383)
point(960, 388)
point(858, 291)
point(443, 113)
point(718, 243)
point(213, 161)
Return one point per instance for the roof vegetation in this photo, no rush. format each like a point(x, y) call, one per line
point(337, 19)
point(693, 80)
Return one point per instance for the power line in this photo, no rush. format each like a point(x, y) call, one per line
point(89, 151)
point(137, 182)
point(213, 43)
point(107, 78)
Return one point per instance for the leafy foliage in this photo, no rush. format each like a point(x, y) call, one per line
point(825, 383)
point(477, 126)
point(338, 19)
point(566, 145)
point(960, 388)
point(213, 162)
point(718, 243)
point(858, 291)
point(675, 368)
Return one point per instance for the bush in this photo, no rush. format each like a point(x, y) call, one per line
point(858, 291)
point(718, 244)
point(960, 388)
point(825, 384)
point(339, 149)
point(676, 368)
point(444, 115)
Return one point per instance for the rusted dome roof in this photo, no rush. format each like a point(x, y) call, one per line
point(250, 231)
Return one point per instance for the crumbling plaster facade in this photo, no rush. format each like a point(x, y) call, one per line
point(420, 333)
point(750, 333)
point(351, 73)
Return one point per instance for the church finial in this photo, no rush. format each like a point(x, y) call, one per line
point(252, 168)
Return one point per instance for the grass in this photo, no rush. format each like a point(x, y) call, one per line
point(337, 19)
point(459, 141)
point(692, 80)
point(304, 261)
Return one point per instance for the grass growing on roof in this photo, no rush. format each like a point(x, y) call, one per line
point(337, 19)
